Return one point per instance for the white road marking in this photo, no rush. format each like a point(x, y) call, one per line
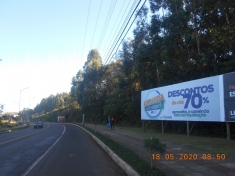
point(40, 158)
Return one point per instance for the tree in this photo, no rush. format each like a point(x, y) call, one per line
point(154, 145)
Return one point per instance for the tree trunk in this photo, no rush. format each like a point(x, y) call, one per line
point(197, 37)
point(151, 162)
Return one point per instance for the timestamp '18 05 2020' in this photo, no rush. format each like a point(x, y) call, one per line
point(189, 157)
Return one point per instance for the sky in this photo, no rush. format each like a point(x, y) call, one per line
point(44, 43)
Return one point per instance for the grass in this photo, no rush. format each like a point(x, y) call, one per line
point(7, 125)
point(137, 163)
point(12, 127)
point(4, 124)
point(214, 145)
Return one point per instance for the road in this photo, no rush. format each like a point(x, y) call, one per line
point(57, 149)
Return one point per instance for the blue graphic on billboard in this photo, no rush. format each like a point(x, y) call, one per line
point(193, 95)
point(154, 104)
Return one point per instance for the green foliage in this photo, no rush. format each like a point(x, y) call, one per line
point(71, 115)
point(188, 41)
point(154, 145)
point(137, 163)
point(52, 102)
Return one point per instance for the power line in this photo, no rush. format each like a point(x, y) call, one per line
point(106, 25)
point(116, 41)
point(117, 25)
point(120, 20)
point(130, 26)
point(109, 59)
point(96, 24)
point(127, 31)
point(122, 28)
point(86, 30)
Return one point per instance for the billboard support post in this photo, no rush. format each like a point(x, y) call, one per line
point(188, 128)
point(83, 119)
point(192, 127)
point(228, 130)
point(143, 127)
point(163, 126)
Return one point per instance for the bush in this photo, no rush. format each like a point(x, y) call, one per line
point(154, 145)
point(137, 163)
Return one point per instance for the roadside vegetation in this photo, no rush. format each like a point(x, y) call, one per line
point(190, 40)
point(154, 145)
point(208, 144)
point(5, 124)
point(137, 163)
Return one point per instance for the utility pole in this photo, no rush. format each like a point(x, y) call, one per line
point(20, 101)
point(83, 116)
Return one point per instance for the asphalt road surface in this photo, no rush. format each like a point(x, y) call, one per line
point(57, 149)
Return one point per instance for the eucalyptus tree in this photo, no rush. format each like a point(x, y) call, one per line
point(112, 92)
point(127, 68)
point(142, 51)
point(171, 40)
point(91, 78)
point(213, 24)
point(197, 38)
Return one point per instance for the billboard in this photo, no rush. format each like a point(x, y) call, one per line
point(61, 119)
point(207, 99)
point(229, 96)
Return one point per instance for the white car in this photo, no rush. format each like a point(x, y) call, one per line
point(38, 125)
